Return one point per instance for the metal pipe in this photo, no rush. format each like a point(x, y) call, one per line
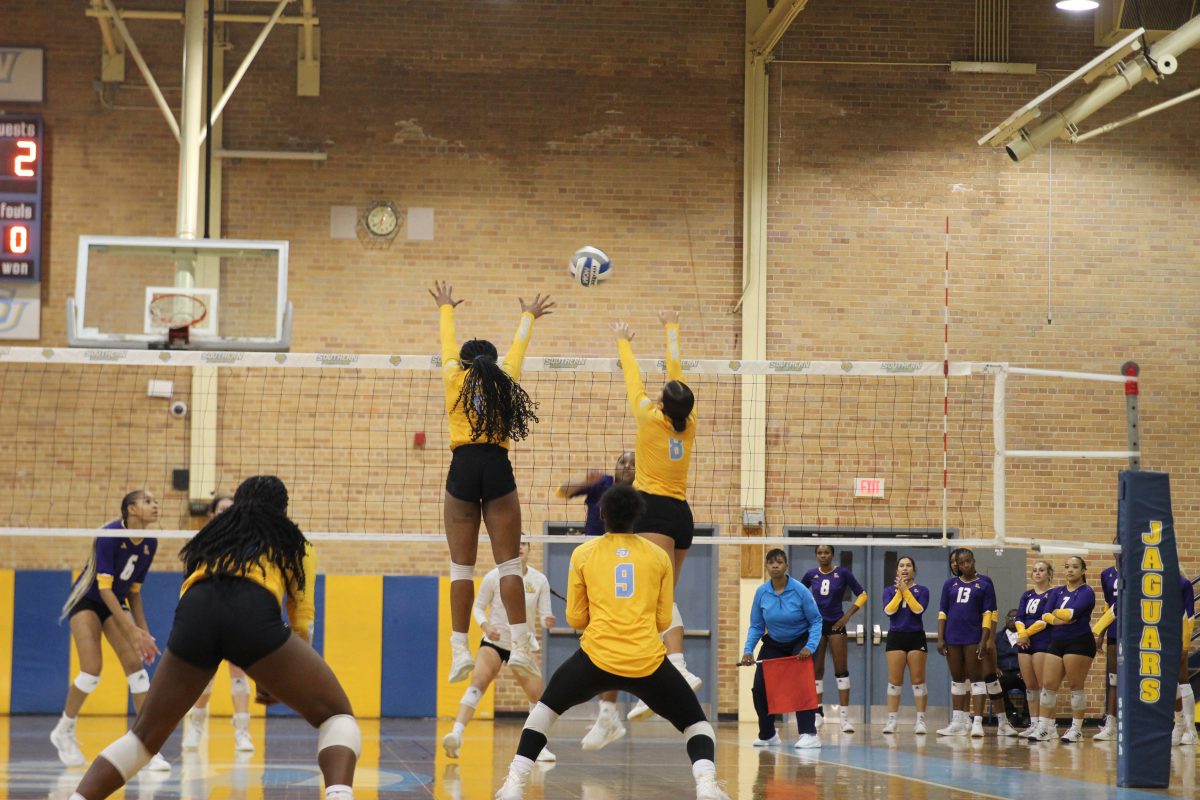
point(110, 45)
point(187, 218)
point(145, 70)
point(999, 517)
point(1112, 126)
point(307, 11)
point(1072, 453)
point(1062, 373)
point(864, 63)
point(175, 16)
point(277, 155)
point(246, 62)
point(772, 29)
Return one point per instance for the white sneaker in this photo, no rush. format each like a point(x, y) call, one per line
point(639, 711)
point(451, 743)
point(1073, 734)
point(242, 742)
point(919, 727)
point(514, 785)
point(707, 788)
point(461, 663)
point(846, 726)
point(1106, 734)
point(1029, 732)
point(1045, 734)
point(1177, 733)
point(67, 745)
point(807, 741)
point(890, 727)
point(1189, 738)
point(774, 740)
point(546, 756)
point(193, 732)
point(520, 660)
point(606, 730)
point(158, 764)
point(977, 729)
point(1005, 728)
point(954, 729)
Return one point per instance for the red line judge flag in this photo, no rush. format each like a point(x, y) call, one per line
point(790, 684)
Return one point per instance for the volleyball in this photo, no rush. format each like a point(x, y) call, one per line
point(590, 265)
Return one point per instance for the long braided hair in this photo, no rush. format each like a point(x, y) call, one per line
point(496, 407)
point(83, 583)
point(256, 528)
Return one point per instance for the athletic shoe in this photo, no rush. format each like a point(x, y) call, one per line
point(451, 743)
point(1029, 732)
point(954, 729)
point(520, 660)
point(67, 745)
point(1045, 734)
point(606, 730)
point(977, 729)
point(1189, 738)
point(847, 727)
point(158, 764)
point(242, 741)
point(461, 663)
point(1177, 733)
point(1005, 728)
point(919, 728)
point(707, 788)
point(774, 740)
point(514, 786)
point(1073, 735)
point(1106, 734)
point(546, 756)
point(890, 727)
point(807, 741)
point(639, 711)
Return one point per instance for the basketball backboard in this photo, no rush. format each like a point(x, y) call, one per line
point(118, 278)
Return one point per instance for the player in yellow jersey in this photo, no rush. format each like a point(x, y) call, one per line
point(619, 592)
point(666, 429)
point(240, 570)
point(487, 408)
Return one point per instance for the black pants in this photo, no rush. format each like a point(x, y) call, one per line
point(1012, 683)
point(664, 690)
point(806, 721)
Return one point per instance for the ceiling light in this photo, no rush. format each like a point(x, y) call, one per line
point(1077, 5)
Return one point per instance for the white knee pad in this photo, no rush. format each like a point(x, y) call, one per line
point(960, 688)
point(239, 686)
point(676, 617)
point(127, 755)
point(340, 730)
point(86, 683)
point(919, 690)
point(993, 688)
point(701, 728)
point(1112, 679)
point(843, 683)
point(139, 682)
point(1186, 694)
point(893, 690)
point(1078, 699)
point(820, 688)
point(471, 697)
point(541, 719)
point(1049, 698)
point(978, 688)
point(510, 567)
point(461, 572)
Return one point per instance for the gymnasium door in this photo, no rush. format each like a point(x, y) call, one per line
point(696, 596)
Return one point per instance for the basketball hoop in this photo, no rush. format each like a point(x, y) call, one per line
point(177, 313)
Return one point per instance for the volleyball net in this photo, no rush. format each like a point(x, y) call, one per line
point(974, 451)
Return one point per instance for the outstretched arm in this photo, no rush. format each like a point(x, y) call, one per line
point(443, 294)
point(670, 321)
point(634, 387)
point(514, 359)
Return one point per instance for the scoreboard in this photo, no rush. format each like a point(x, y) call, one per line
point(21, 160)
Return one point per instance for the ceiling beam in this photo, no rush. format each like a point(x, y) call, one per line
point(763, 40)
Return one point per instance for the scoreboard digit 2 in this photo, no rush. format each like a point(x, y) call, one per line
point(21, 160)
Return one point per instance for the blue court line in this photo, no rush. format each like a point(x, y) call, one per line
point(961, 775)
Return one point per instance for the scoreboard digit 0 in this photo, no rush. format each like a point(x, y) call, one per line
point(21, 159)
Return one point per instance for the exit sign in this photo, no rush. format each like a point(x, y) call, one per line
point(868, 487)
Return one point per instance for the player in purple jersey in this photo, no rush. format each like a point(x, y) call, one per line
point(106, 600)
point(965, 617)
point(828, 584)
point(904, 602)
point(1108, 584)
point(1031, 649)
point(1072, 649)
point(1184, 732)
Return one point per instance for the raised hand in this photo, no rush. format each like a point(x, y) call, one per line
point(622, 330)
point(443, 293)
point(540, 306)
point(668, 317)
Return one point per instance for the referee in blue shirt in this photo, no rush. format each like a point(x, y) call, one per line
point(785, 617)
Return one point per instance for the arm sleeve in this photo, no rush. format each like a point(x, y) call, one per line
point(484, 597)
point(638, 401)
point(1107, 618)
point(514, 359)
point(1035, 628)
point(301, 607)
point(104, 556)
point(814, 617)
point(543, 599)
point(674, 362)
point(758, 626)
point(577, 599)
point(892, 600)
point(450, 363)
point(1064, 614)
point(1020, 626)
point(861, 600)
point(914, 603)
point(666, 592)
point(990, 605)
point(1049, 618)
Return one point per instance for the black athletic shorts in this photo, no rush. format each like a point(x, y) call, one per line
point(668, 516)
point(479, 473)
point(503, 653)
point(88, 604)
point(906, 641)
point(827, 629)
point(227, 619)
point(1084, 645)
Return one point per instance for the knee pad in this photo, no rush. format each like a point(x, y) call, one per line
point(676, 617)
point(139, 682)
point(820, 688)
point(340, 730)
point(471, 697)
point(1078, 699)
point(1112, 679)
point(541, 719)
point(86, 683)
point(510, 567)
point(461, 572)
point(993, 688)
point(843, 682)
point(960, 688)
point(701, 728)
point(1186, 693)
point(1049, 698)
point(978, 688)
point(893, 690)
point(919, 690)
point(239, 686)
point(127, 755)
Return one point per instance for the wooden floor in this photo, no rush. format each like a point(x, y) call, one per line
point(404, 759)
